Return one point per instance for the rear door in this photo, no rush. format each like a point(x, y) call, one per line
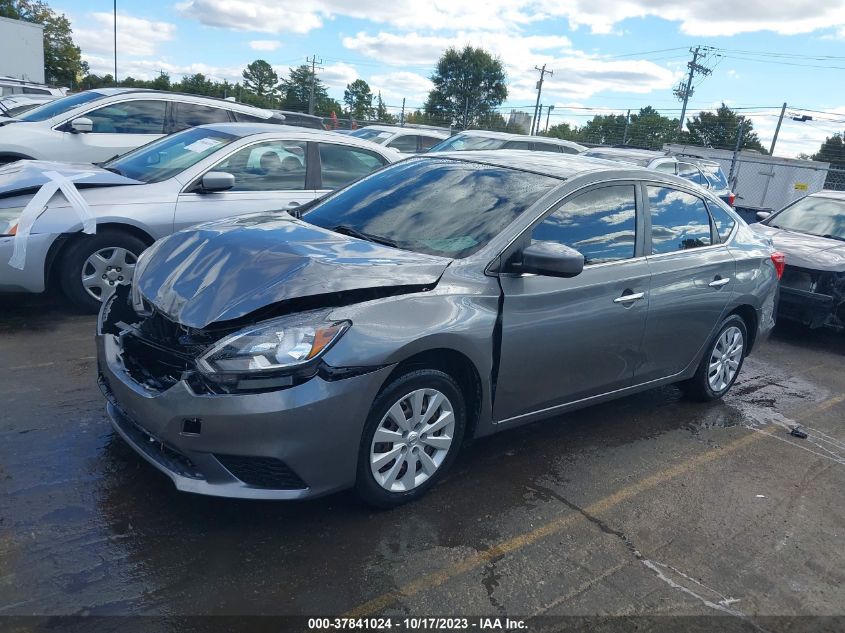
point(185, 115)
point(268, 175)
point(692, 279)
point(405, 143)
point(564, 340)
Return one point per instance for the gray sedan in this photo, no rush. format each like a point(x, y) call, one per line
point(359, 341)
point(204, 173)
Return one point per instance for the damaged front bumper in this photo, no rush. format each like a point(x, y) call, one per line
point(293, 443)
point(815, 299)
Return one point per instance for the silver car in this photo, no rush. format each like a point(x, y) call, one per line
point(359, 341)
point(204, 173)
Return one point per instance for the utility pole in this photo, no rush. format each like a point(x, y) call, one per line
point(313, 61)
point(402, 116)
point(115, 42)
point(777, 130)
point(732, 176)
point(535, 122)
point(684, 92)
point(548, 114)
point(625, 133)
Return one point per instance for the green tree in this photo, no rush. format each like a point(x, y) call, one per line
point(358, 98)
point(719, 130)
point(296, 88)
point(196, 84)
point(606, 129)
point(832, 151)
point(261, 80)
point(381, 111)
point(564, 131)
point(62, 58)
point(650, 129)
point(468, 85)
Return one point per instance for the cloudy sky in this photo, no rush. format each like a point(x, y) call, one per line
point(607, 55)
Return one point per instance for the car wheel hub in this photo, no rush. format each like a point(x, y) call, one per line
point(412, 440)
point(106, 269)
point(725, 359)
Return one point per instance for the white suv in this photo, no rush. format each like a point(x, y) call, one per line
point(96, 125)
point(408, 140)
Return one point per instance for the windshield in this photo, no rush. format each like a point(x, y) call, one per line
point(60, 106)
point(813, 215)
point(714, 174)
point(166, 157)
point(439, 207)
point(369, 134)
point(466, 142)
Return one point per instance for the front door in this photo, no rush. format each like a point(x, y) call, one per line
point(568, 339)
point(692, 279)
point(269, 175)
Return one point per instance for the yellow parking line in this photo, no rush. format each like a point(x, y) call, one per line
point(439, 577)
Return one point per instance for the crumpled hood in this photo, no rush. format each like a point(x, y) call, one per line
point(28, 175)
point(805, 251)
point(225, 270)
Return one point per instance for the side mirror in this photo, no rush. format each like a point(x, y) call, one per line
point(551, 260)
point(216, 181)
point(82, 125)
point(762, 215)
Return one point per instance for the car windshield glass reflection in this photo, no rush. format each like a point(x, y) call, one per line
point(816, 216)
point(169, 156)
point(467, 142)
point(60, 106)
point(439, 207)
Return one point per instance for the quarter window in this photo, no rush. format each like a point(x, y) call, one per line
point(192, 114)
point(600, 224)
point(341, 165)
point(723, 221)
point(679, 221)
point(269, 166)
point(129, 117)
point(427, 142)
point(692, 173)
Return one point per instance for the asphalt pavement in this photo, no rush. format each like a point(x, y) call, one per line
point(649, 507)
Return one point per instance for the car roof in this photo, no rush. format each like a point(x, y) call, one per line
point(623, 153)
point(408, 130)
point(563, 166)
point(230, 105)
point(242, 130)
point(829, 193)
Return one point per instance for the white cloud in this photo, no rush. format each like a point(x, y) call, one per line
point(150, 68)
point(338, 75)
point(264, 45)
point(796, 137)
point(135, 36)
point(394, 86)
point(696, 17)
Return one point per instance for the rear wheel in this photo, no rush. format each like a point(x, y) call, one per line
point(411, 437)
point(721, 363)
point(91, 267)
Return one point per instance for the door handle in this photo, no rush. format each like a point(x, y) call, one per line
point(634, 296)
point(718, 283)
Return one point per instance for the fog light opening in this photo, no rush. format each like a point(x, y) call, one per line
point(191, 426)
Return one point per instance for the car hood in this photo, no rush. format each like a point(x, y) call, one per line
point(225, 270)
point(27, 176)
point(805, 251)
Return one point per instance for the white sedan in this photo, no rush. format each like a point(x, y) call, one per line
point(198, 175)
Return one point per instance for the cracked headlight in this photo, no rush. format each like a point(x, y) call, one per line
point(9, 219)
point(274, 346)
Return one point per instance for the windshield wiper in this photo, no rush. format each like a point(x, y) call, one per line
point(345, 229)
point(834, 237)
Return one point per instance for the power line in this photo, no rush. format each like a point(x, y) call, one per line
point(685, 92)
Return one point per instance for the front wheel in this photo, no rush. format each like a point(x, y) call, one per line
point(92, 266)
point(721, 363)
point(411, 437)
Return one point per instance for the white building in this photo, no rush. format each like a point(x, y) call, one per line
point(22, 50)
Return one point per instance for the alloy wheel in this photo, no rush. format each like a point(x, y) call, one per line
point(412, 440)
point(725, 359)
point(107, 268)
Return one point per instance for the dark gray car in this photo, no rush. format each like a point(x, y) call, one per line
point(441, 298)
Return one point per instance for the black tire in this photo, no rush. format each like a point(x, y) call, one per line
point(698, 387)
point(366, 486)
point(72, 259)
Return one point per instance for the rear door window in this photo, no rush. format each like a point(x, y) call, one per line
point(341, 165)
point(692, 173)
point(516, 145)
point(427, 142)
point(407, 143)
point(192, 114)
point(679, 221)
point(268, 166)
point(600, 224)
point(129, 117)
point(546, 147)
